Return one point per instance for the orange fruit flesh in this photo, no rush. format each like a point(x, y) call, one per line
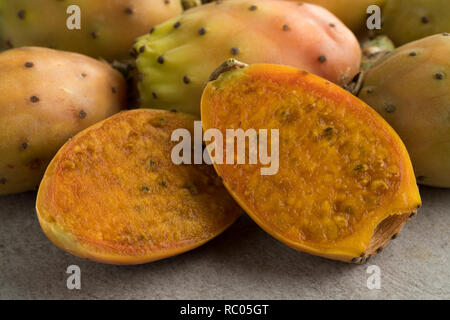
point(112, 194)
point(342, 169)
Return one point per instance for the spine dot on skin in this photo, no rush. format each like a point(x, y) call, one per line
point(390, 108)
point(234, 51)
point(201, 31)
point(29, 64)
point(114, 90)
point(82, 114)
point(34, 99)
point(186, 80)
point(21, 14)
point(129, 11)
point(439, 76)
point(322, 59)
point(133, 53)
point(3, 181)
point(160, 59)
point(94, 34)
point(285, 27)
point(176, 25)
point(252, 8)
point(24, 146)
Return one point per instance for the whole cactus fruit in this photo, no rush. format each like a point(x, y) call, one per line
point(47, 96)
point(108, 27)
point(410, 88)
point(176, 58)
point(409, 20)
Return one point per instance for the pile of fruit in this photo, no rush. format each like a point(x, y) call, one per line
point(359, 120)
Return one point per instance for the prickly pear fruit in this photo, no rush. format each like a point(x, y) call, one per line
point(108, 27)
point(46, 97)
point(352, 13)
point(177, 57)
point(409, 20)
point(112, 194)
point(410, 88)
point(345, 184)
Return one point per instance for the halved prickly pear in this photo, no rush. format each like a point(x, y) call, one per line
point(345, 184)
point(113, 195)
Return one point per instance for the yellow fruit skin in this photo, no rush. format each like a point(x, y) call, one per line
point(410, 88)
point(47, 97)
point(92, 204)
point(301, 184)
point(108, 27)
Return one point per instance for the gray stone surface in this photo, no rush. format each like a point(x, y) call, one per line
point(242, 263)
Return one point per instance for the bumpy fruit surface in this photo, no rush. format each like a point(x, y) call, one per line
point(352, 12)
point(410, 88)
point(177, 57)
point(47, 96)
point(108, 27)
point(112, 194)
point(345, 185)
point(409, 20)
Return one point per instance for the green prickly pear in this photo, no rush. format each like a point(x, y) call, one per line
point(47, 96)
point(410, 88)
point(108, 27)
point(408, 20)
point(177, 57)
